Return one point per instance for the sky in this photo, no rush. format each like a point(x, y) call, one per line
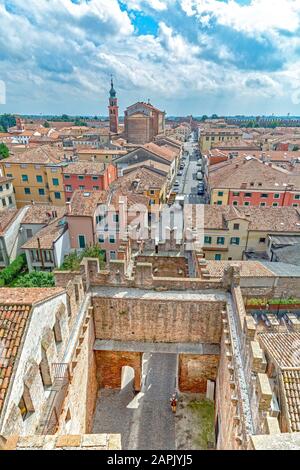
point(195, 57)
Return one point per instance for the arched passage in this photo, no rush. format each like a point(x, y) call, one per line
point(110, 365)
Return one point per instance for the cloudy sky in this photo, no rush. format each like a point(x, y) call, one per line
point(187, 56)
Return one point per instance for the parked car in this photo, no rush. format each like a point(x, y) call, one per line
point(177, 183)
point(199, 163)
point(180, 173)
point(199, 176)
point(200, 191)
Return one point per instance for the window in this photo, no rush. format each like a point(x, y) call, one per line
point(25, 178)
point(68, 188)
point(81, 177)
point(263, 204)
point(262, 240)
point(264, 195)
point(152, 192)
point(219, 203)
point(248, 194)
point(9, 175)
point(116, 218)
point(55, 181)
point(236, 194)
point(1, 188)
point(295, 205)
point(7, 185)
point(275, 204)
point(67, 177)
point(35, 256)
point(4, 202)
point(221, 241)
point(10, 200)
point(235, 203)
point(276, 196)
point(101, 238)
point(297, 197)
point(81, 241)
point(96, 188)
point(27, 191)
point(25, 404)
point(247, 204)
point(53, 170)
point(95, 178)
point(236, 226)
point(39, 178)
point(252, 185)
point(23, 165)
point(218, 257)
point(57, 195)
point(235, 241)
point(81, 188)
point(112, 255)
point(112, 239)
point(37, 167)
point(207, 240)
point(48, 256)
point(41, 192)
point(29, 233)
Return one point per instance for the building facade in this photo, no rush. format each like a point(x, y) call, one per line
point(143, 122)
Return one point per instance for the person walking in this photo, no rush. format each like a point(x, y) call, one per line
point(173, 401)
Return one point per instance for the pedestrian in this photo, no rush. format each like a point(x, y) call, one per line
point(173, 401)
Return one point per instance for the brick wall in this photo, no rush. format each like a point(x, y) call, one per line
point(153, 320)
point(109, 368)
point(195, 371)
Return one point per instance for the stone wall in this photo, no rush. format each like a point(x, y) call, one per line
point(166, 321)
point(166, 266)
point(195, 371)
point(109, 368)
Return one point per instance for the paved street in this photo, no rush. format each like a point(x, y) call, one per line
point(145, 420)
point(188, 181)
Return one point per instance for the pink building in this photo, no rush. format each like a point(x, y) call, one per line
point(87, 176)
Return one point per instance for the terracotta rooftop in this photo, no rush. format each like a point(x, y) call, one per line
point(15, 311)
point(272, 219)
point(291, 386)
point(6, 218)
point(39, 213)
point(39, 155)
point(139, 180)
point(84, 168)
point(13, 321)
point(283, 348)
point(161, 151)
point(45, 237)
point(84, 203)
point(247, 268)
point(251, 174)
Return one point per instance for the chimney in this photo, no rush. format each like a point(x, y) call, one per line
point(69, 208)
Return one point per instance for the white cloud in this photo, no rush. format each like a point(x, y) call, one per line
point(259, 16)
point(138, 5)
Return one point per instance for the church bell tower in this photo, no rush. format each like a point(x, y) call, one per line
point(113, 109)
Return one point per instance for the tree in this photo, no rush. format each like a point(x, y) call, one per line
point(4, 151)
point(46, 124)
point(79, 123)
point(215, 116)
point(73, 260)
point(36, 279)
point(6, 121)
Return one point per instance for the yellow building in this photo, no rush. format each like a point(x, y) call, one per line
point(37, 176)
point(235, 233)
point(214, 137)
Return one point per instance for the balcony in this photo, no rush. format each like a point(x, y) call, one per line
point(58, 392)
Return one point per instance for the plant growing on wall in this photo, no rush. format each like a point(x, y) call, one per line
point(73, 260)
point(36, 279)
point(8, 274)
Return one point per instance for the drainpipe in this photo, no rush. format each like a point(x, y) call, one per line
point(40, 252)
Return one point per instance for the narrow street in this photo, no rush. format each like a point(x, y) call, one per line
point(145, 420)
point(188, 184)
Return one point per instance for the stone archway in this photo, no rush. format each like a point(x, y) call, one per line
point(110, 364)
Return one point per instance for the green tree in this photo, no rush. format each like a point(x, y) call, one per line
point(46, 124)
point(6, 121)
point(4, 151)
point(36, 279)
point(73, 260)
